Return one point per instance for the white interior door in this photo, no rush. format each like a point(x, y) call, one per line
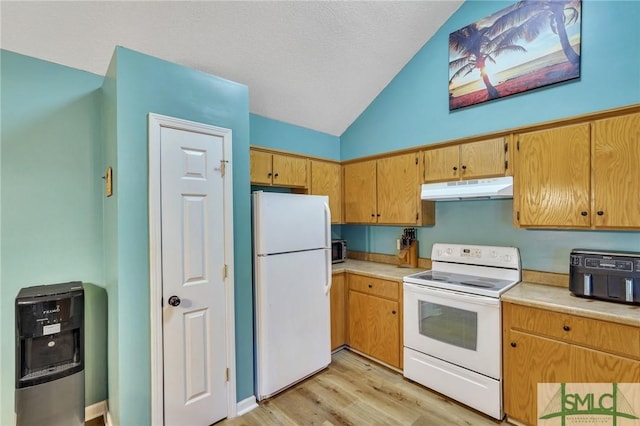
point(193, 293)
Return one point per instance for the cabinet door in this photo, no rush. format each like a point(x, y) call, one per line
point(591, 366)
point(260, 164)
point(289, 171)
point(360, 192)
point(326, 179)
point(483, 159)
point(358, 326)
point(529, 360)
point(338, 311)
point(616, 172)
point(384, 331)
point(553, 177)
point(441, 164)
point(398, 186)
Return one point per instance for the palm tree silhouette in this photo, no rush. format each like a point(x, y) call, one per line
point(476, 48)
point(528, 18)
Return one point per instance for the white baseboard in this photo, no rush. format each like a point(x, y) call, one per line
point(95, 410)
point(246, 405)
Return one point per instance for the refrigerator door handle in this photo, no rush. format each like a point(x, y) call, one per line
point(327, 258)
point(327, 225)
point(327, 261)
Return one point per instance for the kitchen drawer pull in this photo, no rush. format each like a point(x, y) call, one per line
point(370, 285)
point(566, 328)
point(513, 344)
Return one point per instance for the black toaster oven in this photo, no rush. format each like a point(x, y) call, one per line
point(606, 275)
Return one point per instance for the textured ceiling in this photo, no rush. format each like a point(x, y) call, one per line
point(316, 64)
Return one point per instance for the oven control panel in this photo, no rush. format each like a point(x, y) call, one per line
point(506, 257)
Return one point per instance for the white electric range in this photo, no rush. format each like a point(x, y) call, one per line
point(453, 323)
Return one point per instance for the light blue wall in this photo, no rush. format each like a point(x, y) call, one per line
point(413, 110)
point(278, 135)
point(51, 206)
point(145, 84)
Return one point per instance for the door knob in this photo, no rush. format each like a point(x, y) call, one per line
point(174, 301)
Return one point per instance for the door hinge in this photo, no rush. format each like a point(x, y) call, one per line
point(416, 159)
point(223, 166)
point(518, 145)
point(518, 216)
point(227, 374)
point(506, 164)
point(506, 147)
point(417, 216)
point(224, 271)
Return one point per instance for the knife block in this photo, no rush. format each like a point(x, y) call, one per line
point(408, 257)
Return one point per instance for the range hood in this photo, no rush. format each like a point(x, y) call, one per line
point(476, 189)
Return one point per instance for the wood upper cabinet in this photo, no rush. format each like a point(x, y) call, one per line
point(552, 178)
point(385, 191)
point(338, 298)
point(472, 160)
point(326, 179)
point(360, 205)
point(278, 169)
point(541, 346)
point(616, 172)
point(580, 176)
point(374, 318)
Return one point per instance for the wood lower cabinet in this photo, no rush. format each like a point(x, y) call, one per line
point(326, 179)
point(374, 318)
point(338, 298)
point(271, 169)
point(541, 346)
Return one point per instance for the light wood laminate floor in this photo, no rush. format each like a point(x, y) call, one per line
point(357, 391)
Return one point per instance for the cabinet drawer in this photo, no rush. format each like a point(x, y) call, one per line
point(374, 286)
point(601, 335)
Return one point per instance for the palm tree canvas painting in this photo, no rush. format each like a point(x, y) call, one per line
point(530, 44)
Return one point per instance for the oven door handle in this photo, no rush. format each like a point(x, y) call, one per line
point(452, 294)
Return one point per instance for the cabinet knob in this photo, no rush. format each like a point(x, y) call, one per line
point(455, 168)
point(566, 328)
point(373, 215)
point(583, 213)
point(513, 344)
point(464, 167)
point(276, 175)
point(270, 174)
point(599, 212)
point(378, 214)
point(370, 285)
point(393, 312)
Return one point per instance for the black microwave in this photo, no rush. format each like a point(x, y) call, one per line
point(338, 251)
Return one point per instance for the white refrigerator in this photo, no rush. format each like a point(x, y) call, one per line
point(292, 279)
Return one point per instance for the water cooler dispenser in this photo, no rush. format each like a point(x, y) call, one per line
point(50, 355)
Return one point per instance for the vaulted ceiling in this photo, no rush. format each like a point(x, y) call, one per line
point(316, 64)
